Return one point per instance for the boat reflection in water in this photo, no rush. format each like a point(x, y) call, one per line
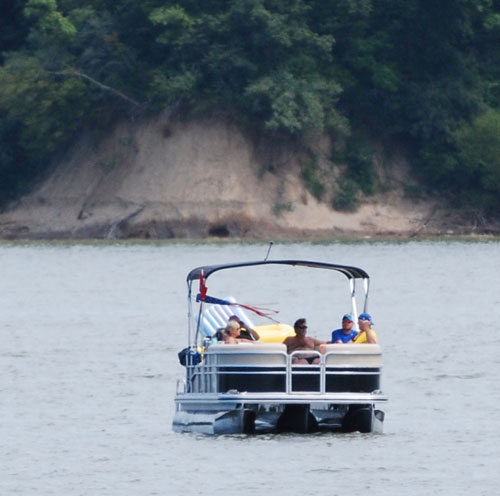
point(252, 388)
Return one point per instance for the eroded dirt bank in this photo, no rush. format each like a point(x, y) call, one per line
point(162, 179)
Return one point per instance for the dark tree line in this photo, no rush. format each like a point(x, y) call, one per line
point(421, 72)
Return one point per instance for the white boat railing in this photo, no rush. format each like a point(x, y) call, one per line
point(222, 370)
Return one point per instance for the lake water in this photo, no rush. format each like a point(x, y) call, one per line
point(88, 355)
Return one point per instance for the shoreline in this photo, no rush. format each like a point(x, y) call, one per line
point(367, 239)
point(243, 228)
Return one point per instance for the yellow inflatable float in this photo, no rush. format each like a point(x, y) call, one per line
point(274, 333)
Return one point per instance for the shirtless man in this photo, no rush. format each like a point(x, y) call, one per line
point(301, 342)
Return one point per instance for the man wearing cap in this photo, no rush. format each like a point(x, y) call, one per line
point(366, 333)
point(346, 334)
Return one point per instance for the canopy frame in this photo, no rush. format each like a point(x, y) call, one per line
point(352, 273)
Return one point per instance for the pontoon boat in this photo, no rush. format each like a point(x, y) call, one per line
point(255, 387)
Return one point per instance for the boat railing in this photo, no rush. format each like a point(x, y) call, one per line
point(180, 386)
point(268, 368)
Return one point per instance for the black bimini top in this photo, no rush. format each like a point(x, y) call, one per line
point(349, 272)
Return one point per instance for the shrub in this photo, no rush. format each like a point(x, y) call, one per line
point(346, 199)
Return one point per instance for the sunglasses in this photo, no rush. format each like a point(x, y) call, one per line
point(302, 327)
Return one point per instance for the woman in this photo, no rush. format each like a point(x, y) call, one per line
point(231, 333)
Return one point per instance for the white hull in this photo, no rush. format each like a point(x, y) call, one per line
point(264, 418)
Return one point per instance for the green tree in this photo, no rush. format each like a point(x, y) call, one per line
point(479, 144)
point(14, 27)
point(257, 57)
point(47, 110)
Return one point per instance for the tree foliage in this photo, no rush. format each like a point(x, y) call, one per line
point(423, 70)
point(479, 145)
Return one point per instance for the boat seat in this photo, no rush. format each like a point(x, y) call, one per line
point(259, 354)
point(353, 355)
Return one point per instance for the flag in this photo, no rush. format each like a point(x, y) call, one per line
point(203, 288)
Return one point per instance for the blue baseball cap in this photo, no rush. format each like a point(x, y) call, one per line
point(348, 316)
point(365, 316)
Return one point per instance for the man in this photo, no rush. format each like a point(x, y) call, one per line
point(246, 332)
point(366, 333)
point(346, 334)
point(302, 342)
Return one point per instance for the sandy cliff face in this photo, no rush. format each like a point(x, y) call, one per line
point(163, 179)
